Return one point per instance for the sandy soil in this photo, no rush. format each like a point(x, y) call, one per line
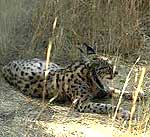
point(23, 116)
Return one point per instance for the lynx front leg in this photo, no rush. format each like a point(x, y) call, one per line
point(101, 108)
point(129, 95)
point(113, 92)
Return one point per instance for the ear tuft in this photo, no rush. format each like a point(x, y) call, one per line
point(89, 49)
point(95, 47)
point(83, 55)
point(81, 50)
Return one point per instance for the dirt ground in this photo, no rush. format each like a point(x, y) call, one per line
point(23, 116)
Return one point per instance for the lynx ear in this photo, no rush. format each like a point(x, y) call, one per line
point(89, 49)
point(95, 47)
point(83, 55)
point(81, 51)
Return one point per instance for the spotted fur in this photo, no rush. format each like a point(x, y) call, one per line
point(79, 82)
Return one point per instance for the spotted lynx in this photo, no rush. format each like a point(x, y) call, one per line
point(79, 82)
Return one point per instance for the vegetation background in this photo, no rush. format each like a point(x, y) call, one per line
point(119, 28)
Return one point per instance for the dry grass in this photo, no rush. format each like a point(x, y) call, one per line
point(120, 28)
point(113, 25)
